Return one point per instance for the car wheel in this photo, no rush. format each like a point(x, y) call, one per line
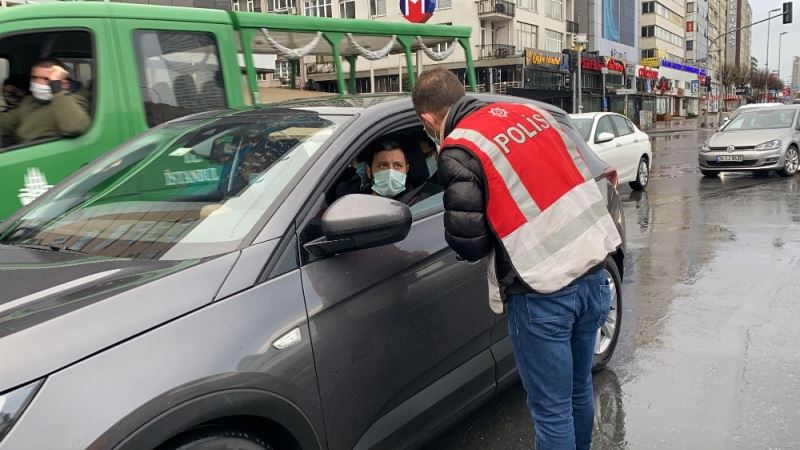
point(608, 334)
point(709, 173)
point(218, 439)
point(642, 175)
point(792, 162)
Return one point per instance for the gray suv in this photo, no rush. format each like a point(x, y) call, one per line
point(207, 285)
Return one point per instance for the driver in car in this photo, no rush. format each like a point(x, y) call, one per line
point(387, 170)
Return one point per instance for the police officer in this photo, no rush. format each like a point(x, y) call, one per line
point(516, 190)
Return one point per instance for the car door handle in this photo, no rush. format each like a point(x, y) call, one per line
point(619, 145)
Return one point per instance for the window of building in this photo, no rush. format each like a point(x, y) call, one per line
point(282, 70)
point(648, 7)
point(251, 6)
point(689, 7)
point(648, 31)
point(530, 5)
point(444, 4)
point(318, 8)
point(689, 45)
point(526, 36)
point(347, 9)
point(170, 92)
point(235, 5)
point(648, 53)
point(377, 8)
point(554, 41)
point(554, 9)
point(690, 26)
point(280, 5)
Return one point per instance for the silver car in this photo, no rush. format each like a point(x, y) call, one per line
point(757, 140)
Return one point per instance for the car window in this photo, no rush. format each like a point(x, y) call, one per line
point(179, 72)
point(759, 119)
point(73, 48)
point(604, 126)
point(621, 125)
point(188, 189)
point(584, 125)
point(630, 125)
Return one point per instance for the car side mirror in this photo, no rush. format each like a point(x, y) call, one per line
point(605, 136)
point(360, 221)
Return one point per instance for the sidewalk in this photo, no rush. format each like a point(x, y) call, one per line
point(672, 126)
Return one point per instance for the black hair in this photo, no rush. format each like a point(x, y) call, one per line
point(383, 145)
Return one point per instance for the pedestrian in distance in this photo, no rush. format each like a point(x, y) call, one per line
point(518, 192)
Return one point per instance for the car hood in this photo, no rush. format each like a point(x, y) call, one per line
point(57, 308)
point(746, 138)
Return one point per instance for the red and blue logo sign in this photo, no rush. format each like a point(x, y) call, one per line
point(417, 11)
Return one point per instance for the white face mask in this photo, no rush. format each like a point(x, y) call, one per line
point(432, 164)
point(41, 92)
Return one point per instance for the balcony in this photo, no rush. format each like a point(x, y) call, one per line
point(495, 51)
point(496, 9)
point(572, 27)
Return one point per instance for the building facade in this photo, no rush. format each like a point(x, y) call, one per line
point(739, 15)
point(796, 74)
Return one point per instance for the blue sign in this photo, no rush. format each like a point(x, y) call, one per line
point(695, 86)
point(678, 66)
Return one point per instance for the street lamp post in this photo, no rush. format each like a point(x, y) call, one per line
point(766, 64)
point(580, 41)
point(780, 40)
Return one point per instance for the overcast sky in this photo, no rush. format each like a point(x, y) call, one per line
point(791, 42)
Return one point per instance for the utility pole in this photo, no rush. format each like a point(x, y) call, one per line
point(766, 64)
point(780, 40)
point(579, 41)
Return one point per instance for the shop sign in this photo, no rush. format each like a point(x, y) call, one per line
point(538, 58)
point(647, 73)
point(626, 91)
point(591, 64)
point(615, 66)
point(651, 62)
point(683, 67)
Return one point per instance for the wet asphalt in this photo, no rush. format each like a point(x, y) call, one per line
point(708, 353)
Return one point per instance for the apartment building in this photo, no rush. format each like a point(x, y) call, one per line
point(796, 74)
point(737, 47)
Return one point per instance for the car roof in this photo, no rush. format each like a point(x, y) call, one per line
point(592, 115)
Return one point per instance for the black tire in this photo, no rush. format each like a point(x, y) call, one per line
point(786, 171)
point(642, 178)
point(217, 439)
point(600, 360)
point(709, 173)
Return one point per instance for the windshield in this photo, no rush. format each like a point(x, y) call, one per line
point(760, 119)
point(183, 190)
point(584, 126)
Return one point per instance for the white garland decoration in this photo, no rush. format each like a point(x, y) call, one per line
point(369, 54)
point(291, 53)
point(437, 56)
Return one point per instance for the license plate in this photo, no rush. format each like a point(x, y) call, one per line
point(737, 158)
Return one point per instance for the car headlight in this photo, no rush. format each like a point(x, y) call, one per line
point(13, 403)
point(705, 147)
point(771, 145)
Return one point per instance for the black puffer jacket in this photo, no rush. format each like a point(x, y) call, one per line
point(467, 229)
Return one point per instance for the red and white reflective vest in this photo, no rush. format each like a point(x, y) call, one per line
point(542, 201)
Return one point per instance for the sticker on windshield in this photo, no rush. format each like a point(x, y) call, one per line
point(181, 151)
point(35, 185)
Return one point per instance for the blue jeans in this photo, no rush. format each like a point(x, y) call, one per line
point(553, 337)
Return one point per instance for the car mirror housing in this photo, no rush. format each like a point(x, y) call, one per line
point(359, 221)
point(604, 137)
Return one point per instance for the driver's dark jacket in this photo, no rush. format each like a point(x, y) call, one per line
point(67, 114)
point(467, 229)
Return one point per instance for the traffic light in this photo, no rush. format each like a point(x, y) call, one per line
point(628, 83)
point(707, 80)
point(787, 12)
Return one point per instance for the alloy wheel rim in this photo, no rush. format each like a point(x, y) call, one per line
point(791, 160)
point(643, 173)
point(605, 334)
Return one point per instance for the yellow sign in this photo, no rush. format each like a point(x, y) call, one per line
point(651, 62)
point(537, 58)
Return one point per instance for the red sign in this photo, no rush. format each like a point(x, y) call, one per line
point(591, 64)
point(648, 73)
point(615, 65)
point(690, 26)
point(417, 11)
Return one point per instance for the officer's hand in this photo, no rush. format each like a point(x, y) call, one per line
point(57, 73)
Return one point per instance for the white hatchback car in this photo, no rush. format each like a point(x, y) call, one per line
point(617, 141)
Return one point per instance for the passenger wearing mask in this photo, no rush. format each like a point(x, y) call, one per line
point(388, 169)
point(13, 92)
point(51, 110)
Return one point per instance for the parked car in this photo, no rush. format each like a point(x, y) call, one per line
point(617, 141)
point(758, 140)
point(181, 293)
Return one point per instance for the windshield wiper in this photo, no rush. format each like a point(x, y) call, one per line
point(50, 247)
